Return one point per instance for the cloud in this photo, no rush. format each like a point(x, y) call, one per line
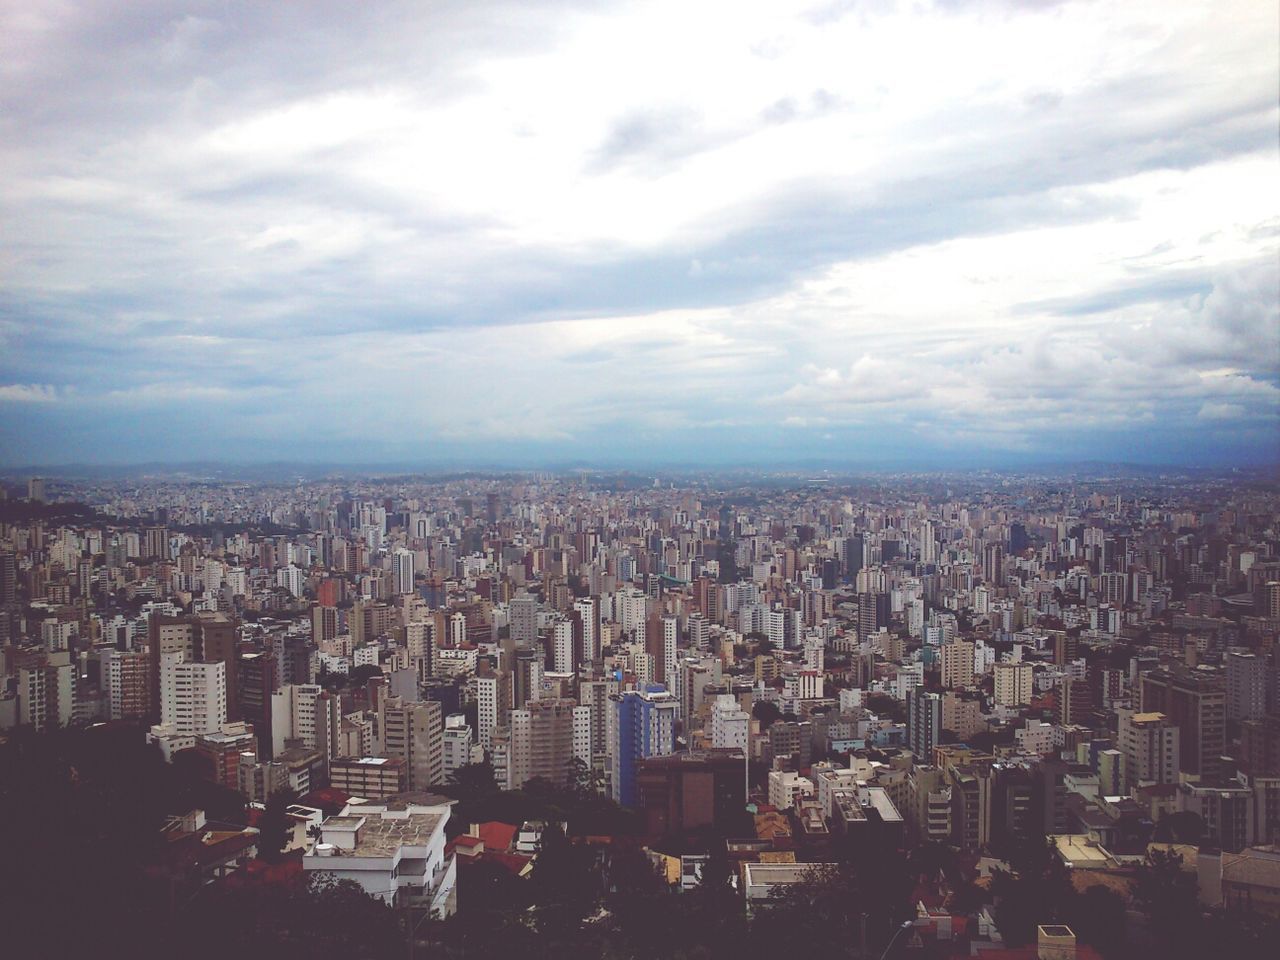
point(1004, 226)
point(28, 393)
point(1221, 411)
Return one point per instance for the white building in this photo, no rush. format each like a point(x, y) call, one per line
point(306, 712)
point(460, 748)
point(1035, 739)
point(403, 570)
point(394, 851)
point(730, 724)
point(193, 696)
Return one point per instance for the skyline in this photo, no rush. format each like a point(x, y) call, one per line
point(949, 234)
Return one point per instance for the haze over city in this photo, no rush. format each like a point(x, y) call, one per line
point(941, 234)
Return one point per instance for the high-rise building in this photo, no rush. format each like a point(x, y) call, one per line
point(217, 636)
point(523, 620)
point(193, 696)
point(594, 695)
point(541, 743)
point(1246, 686)
point(563, 652)
point(459, 745)
point(1149, 742)
point(854, 555)
point(1014, 684)
point(644, 725)
point(692, 791)
point(526, 676)
point(46, 690)
point(1075, 702)
point(414, 732)
point(308, 715)
point(402, 569)
point(730, 724)
point(588, 611)
point(8, 578)
point(255, 683)
point(993, 564)
point(957, 660)
point(873, 613)
point(1196, 701)
point(126, 677)
point(157, 543)
point(661, 634)
point(493, 702)
point(924, 723)
point(36, 489)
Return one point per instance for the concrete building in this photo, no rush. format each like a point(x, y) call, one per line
point(957, 660)
point(372, 778)
point(1196, 701)
point(414, 733)
point(924, 722)
point(1246, 686)
point(643, 725)
point(193, 696)
point(541, 742)
point(730, 724)
point(493, 704)
point(1013, 684)
point(393, 851)
point(306, 715)
point(692, 791)
point(459, 748)
point(1150, 744)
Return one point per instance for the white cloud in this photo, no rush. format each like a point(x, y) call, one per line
point(557, 221)
point(28, 393)
point(1221, 411)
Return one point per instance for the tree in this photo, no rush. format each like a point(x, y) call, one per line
point(1037, 889)
point(1097, 917)
point(767, 712)
point(473, 780)
point(562, 883)
point(1167, 894)
point(364, 673)
point(275, 826)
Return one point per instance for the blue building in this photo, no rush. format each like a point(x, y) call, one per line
point(644, 725)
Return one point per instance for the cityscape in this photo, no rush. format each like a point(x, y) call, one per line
point(640, 480)
point(968, 714)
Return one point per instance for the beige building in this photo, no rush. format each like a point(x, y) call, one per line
point(372, 778)
point(957, 664)
point(1014, 684)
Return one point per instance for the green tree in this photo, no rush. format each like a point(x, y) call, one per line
point(767, 712)
point(1036, 889)
point(1168, 896)
point(275, 827)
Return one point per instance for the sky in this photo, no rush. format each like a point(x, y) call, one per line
point(863, 232)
